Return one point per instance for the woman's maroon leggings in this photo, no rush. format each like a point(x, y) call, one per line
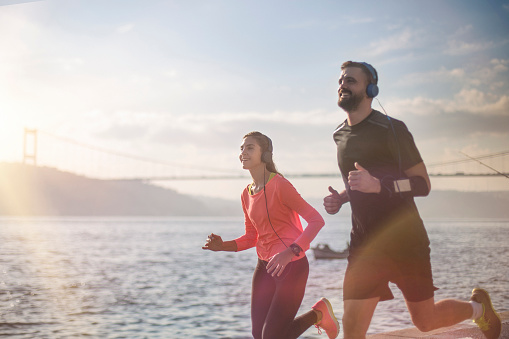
point(276, 300)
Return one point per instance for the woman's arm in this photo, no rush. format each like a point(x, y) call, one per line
point(250, 237)
point(215, 243)
point(291, 198)
point(315, 224)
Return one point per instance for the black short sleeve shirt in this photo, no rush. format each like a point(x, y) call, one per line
point(386, 148)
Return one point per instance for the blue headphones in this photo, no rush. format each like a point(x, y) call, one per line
point(372, 89)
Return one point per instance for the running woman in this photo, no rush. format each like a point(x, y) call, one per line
point(271, 211)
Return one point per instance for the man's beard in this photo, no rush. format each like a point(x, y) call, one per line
point(351, 103)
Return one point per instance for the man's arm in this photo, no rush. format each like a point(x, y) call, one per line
point(417, 182)
point(419, 170)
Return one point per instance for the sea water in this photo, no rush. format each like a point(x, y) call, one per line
point(149, 277)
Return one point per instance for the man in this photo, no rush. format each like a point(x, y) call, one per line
point(383, 171)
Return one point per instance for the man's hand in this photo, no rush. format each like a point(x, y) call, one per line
point(332, 202)
point(360, 180)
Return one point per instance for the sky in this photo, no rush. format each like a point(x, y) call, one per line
point(182, 81)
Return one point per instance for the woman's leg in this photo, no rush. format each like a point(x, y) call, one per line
point(290, 287)
point(262, 292)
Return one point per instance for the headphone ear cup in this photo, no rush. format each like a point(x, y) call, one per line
point(266, 157)
point(372, 90)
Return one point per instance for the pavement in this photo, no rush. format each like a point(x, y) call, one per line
point(465, 330)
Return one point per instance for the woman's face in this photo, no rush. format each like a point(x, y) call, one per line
point(250, 153)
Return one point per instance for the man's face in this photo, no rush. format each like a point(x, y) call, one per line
point(352, 88)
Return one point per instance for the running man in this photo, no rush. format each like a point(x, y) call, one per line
point(383, 172)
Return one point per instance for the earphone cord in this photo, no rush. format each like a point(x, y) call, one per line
point(395, 138)
point(397, 145)
point(267, 208)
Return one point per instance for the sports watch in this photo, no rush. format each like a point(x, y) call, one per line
point(295, 249)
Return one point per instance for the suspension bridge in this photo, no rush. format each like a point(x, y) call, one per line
point(46, 149)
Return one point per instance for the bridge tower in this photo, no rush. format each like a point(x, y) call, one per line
point(30, 153)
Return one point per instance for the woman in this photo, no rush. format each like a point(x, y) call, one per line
point(271, 210)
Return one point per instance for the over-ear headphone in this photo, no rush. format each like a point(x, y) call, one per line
point(267, 155)
point(372, 89)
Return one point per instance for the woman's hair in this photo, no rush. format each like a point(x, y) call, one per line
point(266, 145)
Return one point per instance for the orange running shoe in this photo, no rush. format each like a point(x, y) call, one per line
point(329, 322)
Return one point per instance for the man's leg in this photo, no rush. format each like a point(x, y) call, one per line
point(365, 284)
point(357, 317)
point(428, 315)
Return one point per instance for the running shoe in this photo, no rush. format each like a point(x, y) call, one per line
point(489, 322)
point(329, 322)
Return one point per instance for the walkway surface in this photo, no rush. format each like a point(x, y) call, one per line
point(465, 330)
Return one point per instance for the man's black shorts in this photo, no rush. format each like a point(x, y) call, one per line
point(368, 276)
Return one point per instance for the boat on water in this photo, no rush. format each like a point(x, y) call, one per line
point(323, 251)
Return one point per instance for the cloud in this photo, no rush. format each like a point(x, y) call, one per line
point(472, 101)
point(194, 125)
point(477, 102)
point(465, 41)
point(328, 24)
point(441, 75)
point(500, 65)
point(458, 47)
point(69, 64)
point(15, 2)
point(462, 31)
point(188, 86)
point(313, 24)
point(403, 40)
point(461, 128)
point(488, 78)
point(475, 105)
point(124, 125)
point(360, 21)
point(125, 28)
point(17, 34)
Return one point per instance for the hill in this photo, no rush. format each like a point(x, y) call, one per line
point(41, 191)
point(26, 190)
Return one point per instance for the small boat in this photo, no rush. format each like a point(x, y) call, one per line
point(323, 251)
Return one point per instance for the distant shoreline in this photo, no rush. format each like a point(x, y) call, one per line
point(27, 190)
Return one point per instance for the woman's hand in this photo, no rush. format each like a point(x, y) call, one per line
point(213, 243)
point(278, 262)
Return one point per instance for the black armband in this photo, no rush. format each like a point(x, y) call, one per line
point(405, 187)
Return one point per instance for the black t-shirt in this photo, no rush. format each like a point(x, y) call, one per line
point(385, 148)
